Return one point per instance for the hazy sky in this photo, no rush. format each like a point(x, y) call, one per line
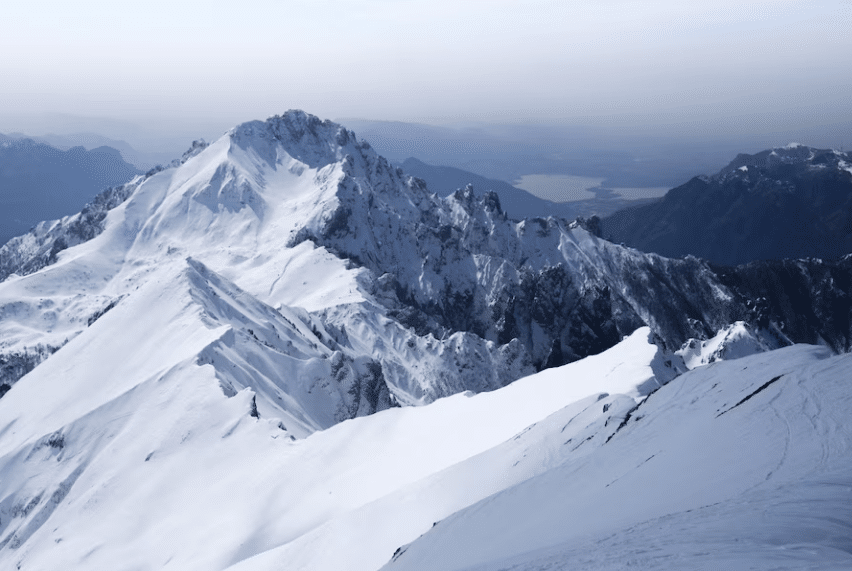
point(219, 63)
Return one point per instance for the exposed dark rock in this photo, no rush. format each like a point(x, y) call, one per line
point(16, 364)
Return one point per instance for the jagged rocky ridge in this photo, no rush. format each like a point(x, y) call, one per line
point(516, 285)
point(515, 202)
point(397, 296)
point(790, 202)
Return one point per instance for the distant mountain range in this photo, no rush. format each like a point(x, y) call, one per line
point(143, 160)
point(624, 159)
point(40, 182)
point(789, 202)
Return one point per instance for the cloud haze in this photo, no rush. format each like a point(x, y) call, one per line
point(501, 61)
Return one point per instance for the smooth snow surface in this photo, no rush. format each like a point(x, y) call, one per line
point(744, 464)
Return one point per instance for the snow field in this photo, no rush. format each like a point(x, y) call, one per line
point(711, 469)
point(170, 473)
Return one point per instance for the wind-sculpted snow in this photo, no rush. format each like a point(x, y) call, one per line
point(285, 358)
point(93, 478)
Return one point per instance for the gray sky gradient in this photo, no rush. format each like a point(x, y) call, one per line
point(622, 64)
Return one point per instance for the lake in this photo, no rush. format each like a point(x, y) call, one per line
point(570, 188)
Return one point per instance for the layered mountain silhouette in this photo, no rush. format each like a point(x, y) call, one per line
point(790, 202)
point(40, 182)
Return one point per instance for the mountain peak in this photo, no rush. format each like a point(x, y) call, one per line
point(802, 156)
point(303, 136)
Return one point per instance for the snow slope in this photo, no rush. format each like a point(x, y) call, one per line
point(166, 472)
point(162, 470)
point(743, 464)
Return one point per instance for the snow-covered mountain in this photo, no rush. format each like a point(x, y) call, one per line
point(208, 367)
point(744, 461)
point(441, 295)
point(788, 202)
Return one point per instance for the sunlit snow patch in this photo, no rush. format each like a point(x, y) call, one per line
point(733, 342)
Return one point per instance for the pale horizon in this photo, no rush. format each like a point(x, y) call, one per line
point(158, 75)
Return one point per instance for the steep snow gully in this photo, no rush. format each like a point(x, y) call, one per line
point(215, 366)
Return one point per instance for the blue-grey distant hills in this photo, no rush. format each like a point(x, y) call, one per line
point(515, 202)
point(790, 202)
point(40, 182)
point(143, 160)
